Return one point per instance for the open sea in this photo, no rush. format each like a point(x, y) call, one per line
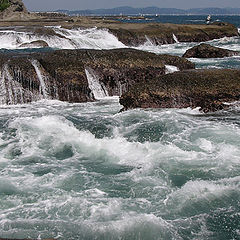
point(87, 172)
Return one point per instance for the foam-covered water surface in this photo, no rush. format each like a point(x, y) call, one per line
point(86, 171)
point(179, 48)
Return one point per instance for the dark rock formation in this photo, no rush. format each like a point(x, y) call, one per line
point(207, 51)
point(35, 44)
point(158, 33)
point(15, 10)
point(207, 89)
point(62, 74)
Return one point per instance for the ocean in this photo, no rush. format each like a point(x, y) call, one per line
point(186, 19)
point(87, 171)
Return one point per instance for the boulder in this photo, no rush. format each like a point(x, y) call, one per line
point(207, 51)
point(207, 89)
point(35, 44)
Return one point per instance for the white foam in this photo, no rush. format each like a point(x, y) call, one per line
point(41, 79)
point(92, 38)
point(77, 192)
point(175, 38)
point(98, 89)
point(171, 69)
point(11, 90)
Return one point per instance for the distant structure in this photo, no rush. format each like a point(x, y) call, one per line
point(208, 19)
point(13, 10)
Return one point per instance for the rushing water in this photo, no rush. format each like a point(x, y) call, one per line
point(91, 38)
point(86, 171)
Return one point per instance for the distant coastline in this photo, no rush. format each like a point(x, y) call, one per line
point(152, 11)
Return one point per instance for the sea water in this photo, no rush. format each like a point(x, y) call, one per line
point(87, 171)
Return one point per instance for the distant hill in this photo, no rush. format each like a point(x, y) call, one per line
point(152, 10)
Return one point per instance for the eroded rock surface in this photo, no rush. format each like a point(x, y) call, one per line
point(207, 89)
point(62, 74)
point(159, 33)
point(207, 51)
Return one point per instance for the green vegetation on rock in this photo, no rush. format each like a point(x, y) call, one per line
point(4, 4)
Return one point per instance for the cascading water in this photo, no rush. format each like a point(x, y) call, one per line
point(3, 90)
point(99, 91)
point(11, 90)
point(42, 79)
point(175, 38)
point(91, 38)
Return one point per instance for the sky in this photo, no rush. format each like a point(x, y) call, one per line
point(45, 5)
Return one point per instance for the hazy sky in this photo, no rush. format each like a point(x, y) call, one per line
point(43, 5)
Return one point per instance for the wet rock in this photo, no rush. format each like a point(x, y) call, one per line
point(207, 89)
point(207, 51)
point(62, 74)
point(121, 69)
point(159, 33)
point(35, 44)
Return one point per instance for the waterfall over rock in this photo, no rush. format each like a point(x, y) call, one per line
point(98, 90)
point(175, 38)
point(42, 78)
point(11, 91)
point(78, 75)
point(25, 81)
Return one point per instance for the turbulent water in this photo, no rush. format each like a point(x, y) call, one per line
point(91, 38)
point(86, 171)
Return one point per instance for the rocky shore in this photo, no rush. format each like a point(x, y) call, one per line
point(208, 89)
point(62, 74)
point(139, 77)
point(131, 34)
point(158, 34)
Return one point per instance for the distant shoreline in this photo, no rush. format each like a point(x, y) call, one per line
point(125, 10)
point(147, 14)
